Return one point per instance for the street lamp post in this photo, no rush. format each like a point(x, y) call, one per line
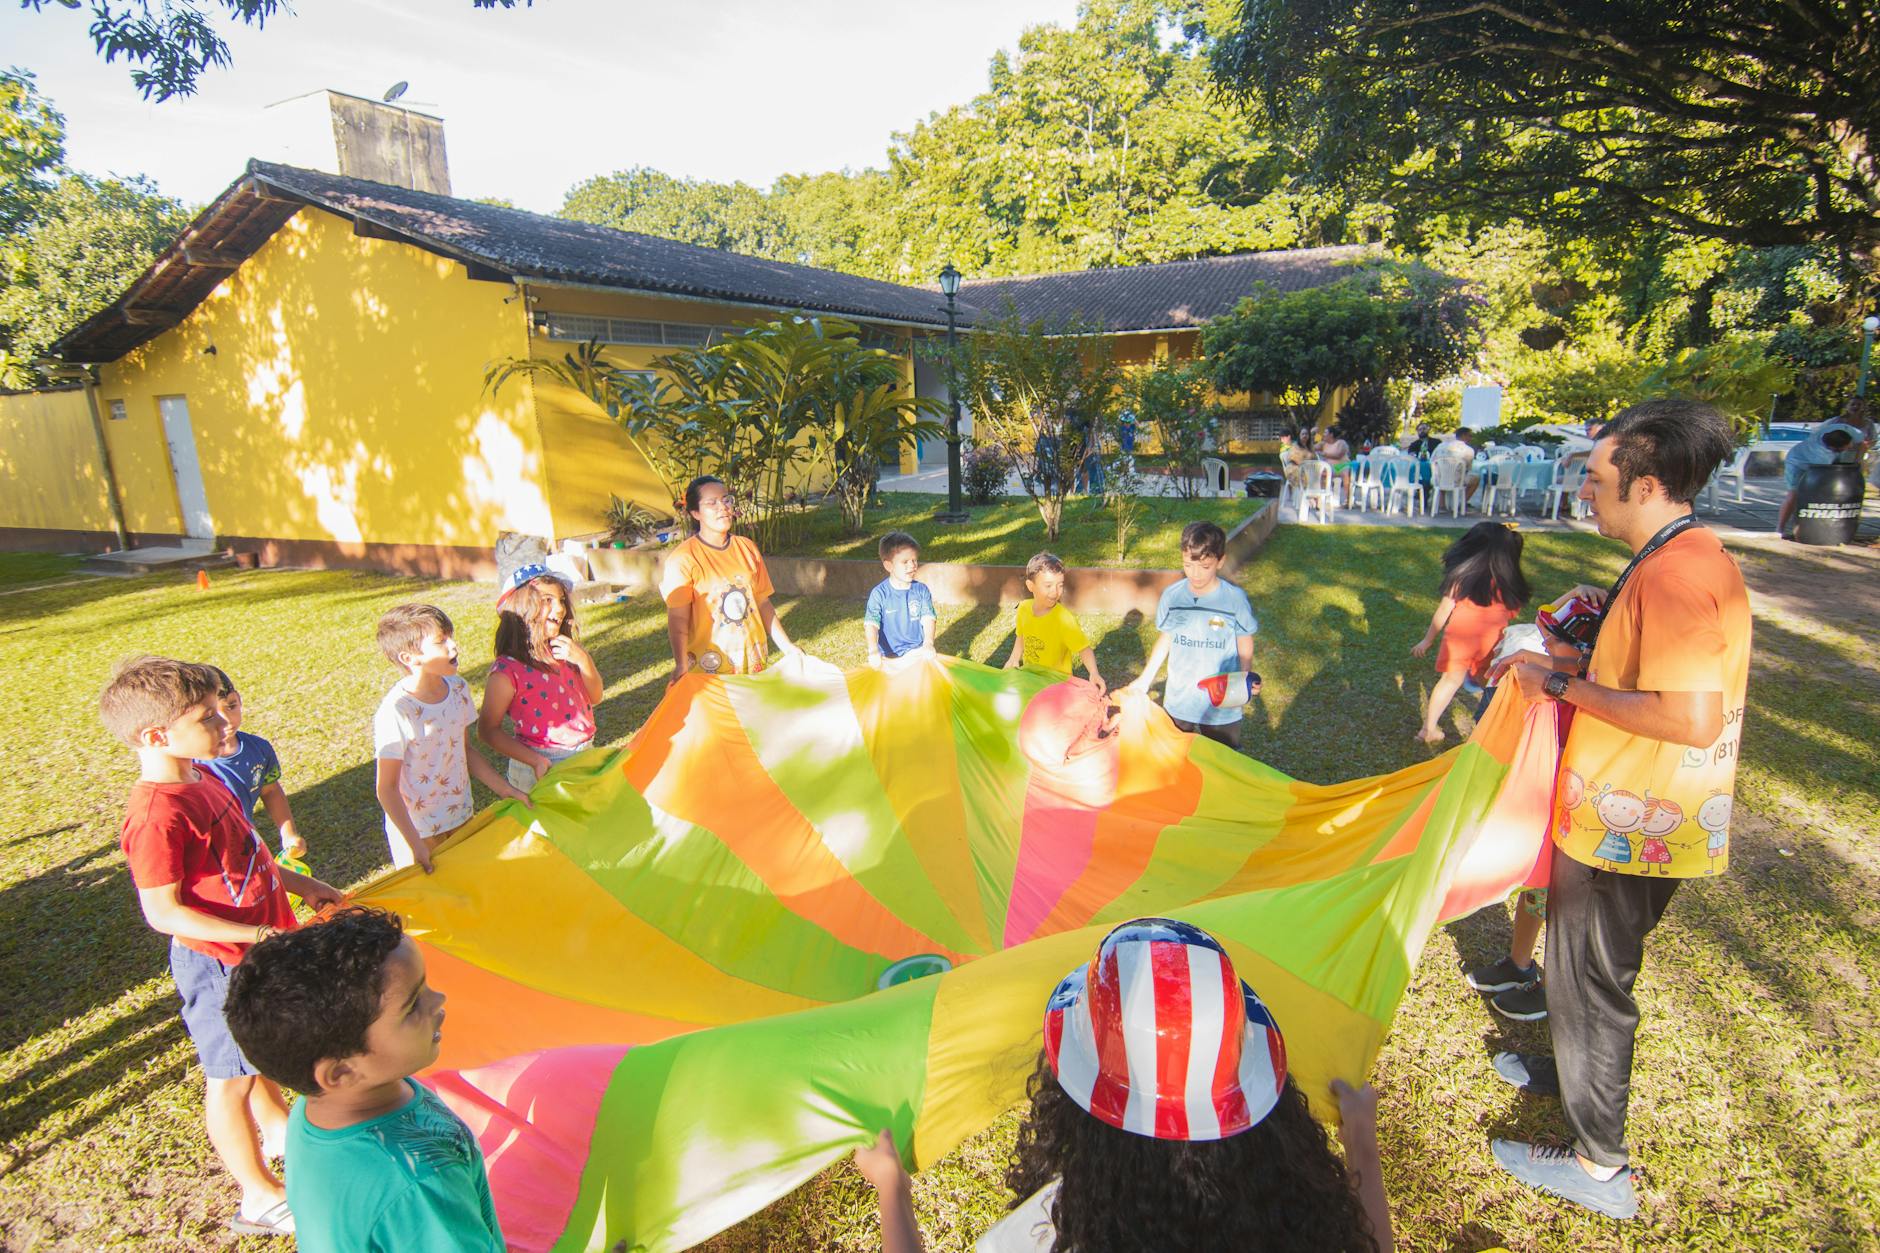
point(956, 508)
point(1867, 327)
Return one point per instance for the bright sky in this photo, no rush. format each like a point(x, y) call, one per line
point(535, 99)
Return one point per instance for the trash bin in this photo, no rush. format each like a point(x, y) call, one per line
point(1264, 483)
point(1827, 504)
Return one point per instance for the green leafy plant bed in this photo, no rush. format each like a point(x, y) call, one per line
point(1008, 532)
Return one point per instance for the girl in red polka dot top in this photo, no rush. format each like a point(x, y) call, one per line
point(543, 683)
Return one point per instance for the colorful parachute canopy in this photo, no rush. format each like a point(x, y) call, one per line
point(662, 979)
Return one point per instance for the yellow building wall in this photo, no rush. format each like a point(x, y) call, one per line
point(50, 475)
point(335, 390)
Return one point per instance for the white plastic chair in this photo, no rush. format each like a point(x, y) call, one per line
point(1732, 471)
point(1318, 490)
point(1215, 471)
point(1407, 483)
point(1568, 475)
point(1501, 474)
point(1448, 474)
point(1365, 484)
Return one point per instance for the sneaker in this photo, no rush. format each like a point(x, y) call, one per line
point(1533, 1073)
point(1525, 1004)
point(1558, 1171)
point(1502, 975)
point(269, 1218)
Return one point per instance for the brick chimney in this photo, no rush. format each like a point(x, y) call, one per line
point(370, 139)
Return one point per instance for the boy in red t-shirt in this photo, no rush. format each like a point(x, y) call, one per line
point(205, 880)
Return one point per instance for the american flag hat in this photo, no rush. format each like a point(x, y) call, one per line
point(1158, 1036)
point(528, 574)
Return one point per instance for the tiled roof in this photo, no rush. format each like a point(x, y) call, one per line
point(533, 245)
point(1164, 296)
point(502, 244)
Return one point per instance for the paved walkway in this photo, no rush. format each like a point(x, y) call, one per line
point(1755, 515)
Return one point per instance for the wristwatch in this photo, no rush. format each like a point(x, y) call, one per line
point(1555, 685)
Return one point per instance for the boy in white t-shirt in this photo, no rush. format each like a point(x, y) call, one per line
point(421, 737)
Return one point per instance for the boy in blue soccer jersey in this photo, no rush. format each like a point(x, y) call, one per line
point(253, 772)
point(1207, 627)
point(899, 619)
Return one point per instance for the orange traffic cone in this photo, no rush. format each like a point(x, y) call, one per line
point(202, 580)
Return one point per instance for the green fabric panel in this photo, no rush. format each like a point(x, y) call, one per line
point(810, 743)
point(697, 1132)
point(681, 879)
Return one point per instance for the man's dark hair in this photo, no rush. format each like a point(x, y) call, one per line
point(1677, 441)
point(1203, 539)
point(893, 542)
point(303, 996)
point(1838, 440)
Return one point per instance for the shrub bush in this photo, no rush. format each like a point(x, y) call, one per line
point(983, 473)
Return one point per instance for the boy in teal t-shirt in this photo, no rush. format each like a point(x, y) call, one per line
point(375, 1161)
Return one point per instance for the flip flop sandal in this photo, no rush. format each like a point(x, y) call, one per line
point(276, 1220)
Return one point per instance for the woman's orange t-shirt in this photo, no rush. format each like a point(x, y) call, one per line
point(723, 588)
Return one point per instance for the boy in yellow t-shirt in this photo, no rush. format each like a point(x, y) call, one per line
point(1048, 637)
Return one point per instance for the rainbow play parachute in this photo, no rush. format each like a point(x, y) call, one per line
point(663, 979)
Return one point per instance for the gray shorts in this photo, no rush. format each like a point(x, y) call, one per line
point(1227, 733)
point(203, 983)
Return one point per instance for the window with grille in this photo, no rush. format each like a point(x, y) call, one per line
point(582, 327)
point(1255, 424)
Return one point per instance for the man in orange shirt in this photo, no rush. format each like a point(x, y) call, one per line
point(1645, 783)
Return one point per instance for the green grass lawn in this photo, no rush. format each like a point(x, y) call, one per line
point(1755, 1084)
point(1009, 532)
point(25, 569)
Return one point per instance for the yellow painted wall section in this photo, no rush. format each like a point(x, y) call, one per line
point(50, 477)
point(343, 400)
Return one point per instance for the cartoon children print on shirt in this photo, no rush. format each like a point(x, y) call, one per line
point(1714, 817)
point(1662, 817)
point(1572, 792)
point(1621, 813)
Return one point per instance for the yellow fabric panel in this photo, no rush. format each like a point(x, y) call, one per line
point(49, 463)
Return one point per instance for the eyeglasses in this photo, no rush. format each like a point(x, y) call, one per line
point(721, 502)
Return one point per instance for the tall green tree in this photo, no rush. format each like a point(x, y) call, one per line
point(88, 240)
point(1043, 394)
point(731, 216)
point(32, 148)
point(1384, 322)
point(1739, 120)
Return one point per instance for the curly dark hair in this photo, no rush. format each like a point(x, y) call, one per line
point(1276, 1187)
point(303, 996)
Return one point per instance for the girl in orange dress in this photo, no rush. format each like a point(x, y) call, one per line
point(1483, 589)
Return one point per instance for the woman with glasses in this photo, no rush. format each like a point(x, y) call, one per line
point(717, 591)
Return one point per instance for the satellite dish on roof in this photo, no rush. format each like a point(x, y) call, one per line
point(396, 90)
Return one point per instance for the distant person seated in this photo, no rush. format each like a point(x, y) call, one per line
point(1828, 443)
point(1458, 448)
point(1424, 444)
point(1335, 450)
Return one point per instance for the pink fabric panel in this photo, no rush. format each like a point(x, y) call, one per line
point(533, 1116)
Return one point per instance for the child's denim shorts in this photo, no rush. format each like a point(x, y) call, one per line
point(203, 983)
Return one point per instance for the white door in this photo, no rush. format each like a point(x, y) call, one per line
point(182, 442)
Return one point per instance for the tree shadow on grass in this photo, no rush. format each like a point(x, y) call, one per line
point(957, 639)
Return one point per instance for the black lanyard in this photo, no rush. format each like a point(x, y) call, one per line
point(1666, 533)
